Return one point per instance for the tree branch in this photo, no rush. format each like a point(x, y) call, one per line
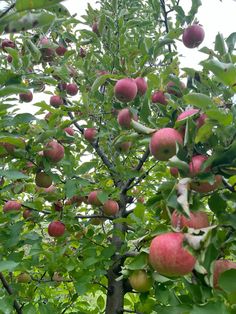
point(7, 10)
point(94, 216)
point(228, 186)
point(10, 292)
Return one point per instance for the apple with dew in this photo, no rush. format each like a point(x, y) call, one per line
point(124, 118)
point(57, 206)
point(193, 36)
point(197, 220)
point(23, 278)
point(159, 97)
point(163, 143)
point(93, 198)
point(69, 131)
point(141, 85)
point(56, 101)
point(27, 214)
point(43, 180)
point(56, 229)
point(11, 206)
point(26, 97)
point(195, 168)
point(61, 50)
point(110, 208)
point(219, 267)
point(125, 89)
point(90, 134)
point(7, 43)
point(72, 89)
point(175, 89)
point(54, 151)
point(140, 281)
point(168, 256)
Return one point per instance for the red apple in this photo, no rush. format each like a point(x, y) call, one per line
point(47, 52)
point(61, 50)
point(75, 200)
point(54, 151)
point(11, 206)
point(26, 97)
point(27, 213)
point(90, 134)
point(159, 97)
point(141, 85)
point(125, 89)
point(70, 131)
point(197, 220)
point(72, 89)
point(174, 172)
point(140, 281)
point(43, 180)
point(62, 86)
point(174, 88)
point(110, 208)
point(93, 198)
point(124, 118)
point(58, 206)
point(168, 256)
point(163, 143)
point(7, 43)
point(56, 229)
point(56, 101)
point(193, 36)
point(221, 266)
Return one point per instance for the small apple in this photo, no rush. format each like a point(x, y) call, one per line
point(7, 43)
point(125, 89)
point(54, 151)
point(58, 206)
point(174, 172)
point(168, 256)
point(159, 97)
point(70, 131)
point(163, 143)
point(27, 214)
point(56, 101)
point(23, 278)
point(93, 198)
point(175, 89)
point(90, 134)
point(43, 180)
point(72, 89)
point(141, 85)
point(221, 266)
point(11, 206)
point(61, 50)
point(26, 97)
point(110, 208)
point(140, 281)
point(56, 229)
point(193, 36)
point(124, 118)
point(197, 220)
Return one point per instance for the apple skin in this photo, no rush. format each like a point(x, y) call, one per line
point(7, 43)
point(195, 168)
point(193, 36)
point(11, 206)
point(163, 143)
point(54, 151)
point(90, 134)
point(168, 256)
point(56, 101)
point(43, 180)
point(187, 113)
point(110, 208)
point(141, 85)
point(124, 118)
point(219, 267)
point(72, 89)
point(70, 131)
point(140, 281)
point(26, 97)
point(159, 97)
point(56, 229)
point(61, 50)
point(23, 278)
point(125, 89)
point(197, 220)
point(175, 89)
point(93, 198)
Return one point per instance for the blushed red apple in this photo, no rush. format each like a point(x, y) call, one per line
point(197, 220)
point(56, 229)
point(219, 267)
point(11, 206)
point(90, 134)
point(141, 85)
point(72, 89)
point(26, 97)
point(125, 89)
point(124, 118)
point(54, 151)
point(110, 208)
point(193, 36)
point(56, 101)
point(93, 198)
point(159, 97)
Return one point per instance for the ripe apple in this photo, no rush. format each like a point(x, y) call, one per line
point(110, 208)
point(27, 213)
point(43, 180)
point(47, 52)
point(140, 281)
point(168, 256)
point(61, 50)
point(56, 229)
point(23, 278)
point(175, 89)
point(159, 97)
point(26, 97)
point(197, 220)
point(58, 206)
point(93, 198)
point(75, 200)
point(90, 134)
point(11, 206)
point(125, 89)
point(124, 118)
point(72, 89)
point(193, 36)
point(174, 172)
point(54, 151)
point(56, 101)
point(163, 143)
point(195, 168)
point(62, 86)
point(221, 266)
point(70, 131)
point(188, 113)
point(7, 43)
point(141, 85)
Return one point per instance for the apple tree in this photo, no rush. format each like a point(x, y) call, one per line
point(117, 165)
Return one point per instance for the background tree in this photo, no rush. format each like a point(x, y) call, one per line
point(118, 195)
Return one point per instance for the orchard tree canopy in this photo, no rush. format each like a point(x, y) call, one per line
point(118, 194)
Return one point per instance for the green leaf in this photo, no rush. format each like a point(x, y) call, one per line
point(71, 188)
point(86, 167)
point(199, 100)
point(13, 174)
point(217, 204)
point(210, 308)
point(231, 41)
point(12, 89)
point(227, 281)
point(220, 44)
point(22, 5)
point(204, 133)
point(8, 265)
point(222, 117)
point(23, 118)
point(138, 262)
point(101, 80)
